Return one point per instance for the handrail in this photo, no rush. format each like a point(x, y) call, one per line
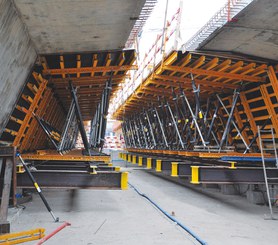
point(224, 15)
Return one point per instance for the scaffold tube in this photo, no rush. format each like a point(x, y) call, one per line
point(170, 217)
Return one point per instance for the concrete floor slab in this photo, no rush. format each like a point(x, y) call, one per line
point(124, 217)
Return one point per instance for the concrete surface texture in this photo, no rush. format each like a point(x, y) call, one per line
point(124, 217)
point(78, 25)
point(17, 57)
point(254, 31)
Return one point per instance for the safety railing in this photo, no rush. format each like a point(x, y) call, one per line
point(224, 15)
point(163, 45)
point(140, 21)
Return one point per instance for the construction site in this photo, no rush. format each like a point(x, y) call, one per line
point(130, 122)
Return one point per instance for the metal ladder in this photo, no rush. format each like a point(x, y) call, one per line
point(271, 149)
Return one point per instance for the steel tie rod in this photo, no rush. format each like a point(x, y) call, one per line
point(56, 219)
point(237, 129)
point(194, 118)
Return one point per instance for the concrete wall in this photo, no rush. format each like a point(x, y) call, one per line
point(17, 56)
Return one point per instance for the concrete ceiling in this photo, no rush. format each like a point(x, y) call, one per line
point(59, 26)
point(254, 32)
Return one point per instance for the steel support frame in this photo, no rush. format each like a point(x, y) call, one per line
point(72, 179)
point(228, 175)
point(79, 118)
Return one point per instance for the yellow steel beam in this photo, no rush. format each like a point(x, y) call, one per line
point(184, 62)
point(96, 80)
point(66, 157)
point(23, 236)
point(273, 79)
point(199, 62)
point(28, 115)
point(269, 106)
point(78, 64)
point(214, 73)
point(120, 61)
point(16, 120)
point(210, 65)
point(89, 69)
point(94, 64)
point(221, 67)
point(107, 62)
point(197, 81)
point(62, 65)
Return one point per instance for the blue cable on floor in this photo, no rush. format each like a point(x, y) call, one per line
point(170, 217)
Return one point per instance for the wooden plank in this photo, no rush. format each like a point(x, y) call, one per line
point(6, 189)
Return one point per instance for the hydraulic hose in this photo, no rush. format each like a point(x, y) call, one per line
point(170, 217)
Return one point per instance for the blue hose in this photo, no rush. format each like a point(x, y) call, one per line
point(170, 217)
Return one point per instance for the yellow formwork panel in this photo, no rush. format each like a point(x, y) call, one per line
point(129, 158)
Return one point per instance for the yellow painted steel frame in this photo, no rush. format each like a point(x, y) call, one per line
point(149, 163)
point(20, 237)
point(129, 158)
point(57, 157)
point(33, 105)
point(134, 159)
point(232, 165)
point(124, 180)
point(140, 161)
point(158, 166)
point(194, 175)
point(174, 172)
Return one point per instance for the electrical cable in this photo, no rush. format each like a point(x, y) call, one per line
point(169, 216)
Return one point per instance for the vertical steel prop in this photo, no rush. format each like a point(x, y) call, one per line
point(79, 118)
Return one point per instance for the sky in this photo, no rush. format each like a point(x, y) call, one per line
point(194, 15)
